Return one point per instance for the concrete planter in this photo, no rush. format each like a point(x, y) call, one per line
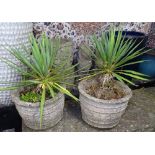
point(52, 114)
point(102, 113)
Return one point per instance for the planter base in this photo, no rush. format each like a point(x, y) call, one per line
point(100, 124)
point(50, 125)
point(52, 122)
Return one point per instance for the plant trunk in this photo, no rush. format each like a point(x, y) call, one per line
point(106, 80)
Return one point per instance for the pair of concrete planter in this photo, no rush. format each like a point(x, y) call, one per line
point(96, 112)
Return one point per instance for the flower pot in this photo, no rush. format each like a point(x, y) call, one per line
point(147, 66)
point(12, 35)
point(139, 38)
point(102, 113)
point(30, 113)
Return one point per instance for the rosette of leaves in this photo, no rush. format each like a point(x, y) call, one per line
point(111, 54)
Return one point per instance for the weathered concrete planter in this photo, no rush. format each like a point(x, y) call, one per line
point(53, 111)
point(102, 113)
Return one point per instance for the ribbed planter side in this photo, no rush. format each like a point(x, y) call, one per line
point(52, 114)
point(102, 113)
point(13, 35)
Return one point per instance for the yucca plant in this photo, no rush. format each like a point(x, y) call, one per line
point(43, 73)
point(112, 53)
point(104, 88)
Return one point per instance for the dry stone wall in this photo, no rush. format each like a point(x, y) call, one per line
point(79, 32)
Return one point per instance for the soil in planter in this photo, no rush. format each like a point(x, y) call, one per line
point(33, 95)
point(112, 91)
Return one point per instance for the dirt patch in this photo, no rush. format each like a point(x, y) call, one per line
point(112, 91)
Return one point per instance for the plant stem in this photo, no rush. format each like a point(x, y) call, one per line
point(106, 80)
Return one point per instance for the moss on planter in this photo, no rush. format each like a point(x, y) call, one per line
point(31, 97)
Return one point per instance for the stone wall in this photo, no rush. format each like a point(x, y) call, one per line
point(151, 34)
point(79, 32)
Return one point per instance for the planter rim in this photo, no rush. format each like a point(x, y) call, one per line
point(16, 100)
point(102, 101)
